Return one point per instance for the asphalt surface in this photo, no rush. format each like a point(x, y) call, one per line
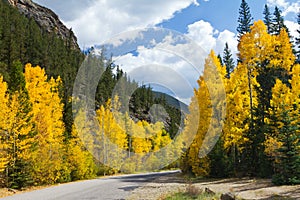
point(117, 187)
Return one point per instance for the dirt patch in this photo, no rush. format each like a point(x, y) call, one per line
point(245, 188)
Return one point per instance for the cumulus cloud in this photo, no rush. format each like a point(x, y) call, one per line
point(209, 38)
point(181, 57)
point(287, 7)
point(230, 38)
point(170, 64)
point(95, 21)
point(203, 33)
point(293, 27)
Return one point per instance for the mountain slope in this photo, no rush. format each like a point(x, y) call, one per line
point(172, 101)
point(46, 19)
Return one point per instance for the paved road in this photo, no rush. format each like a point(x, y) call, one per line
point(118, 187)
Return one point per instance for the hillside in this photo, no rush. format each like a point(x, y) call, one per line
point(46, 19)
point(172, 101)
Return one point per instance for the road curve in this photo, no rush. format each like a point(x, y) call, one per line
point(111, 188)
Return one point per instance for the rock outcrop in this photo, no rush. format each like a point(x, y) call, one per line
point(46, 19)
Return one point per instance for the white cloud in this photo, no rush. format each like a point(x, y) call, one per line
point(293, 27)
point(211, 39)
point(280, 3)
point(174, 62)
point(166, 65)
point(99, 20)
point(184, 59)
point(285, 6)
point(203, 33)
point(231, 39)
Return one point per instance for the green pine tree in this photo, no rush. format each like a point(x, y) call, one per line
point(288, 168)
point(228, 60)
point(277, 22)
point(268, 18)
point(244, 19)
point(298, 40)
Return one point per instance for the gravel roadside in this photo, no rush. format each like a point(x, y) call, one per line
point(245, 188)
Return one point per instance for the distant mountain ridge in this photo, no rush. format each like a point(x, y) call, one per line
point(172, 101)
point(46, 19)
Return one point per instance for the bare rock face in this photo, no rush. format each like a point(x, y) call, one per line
point(46, 19)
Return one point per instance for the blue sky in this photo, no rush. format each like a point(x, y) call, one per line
point(127, 25)
point(96, 20)
point(221, 14)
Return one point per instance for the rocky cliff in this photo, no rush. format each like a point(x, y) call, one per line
point(45, 18)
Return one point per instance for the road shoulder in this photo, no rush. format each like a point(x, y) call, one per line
point(244, 188)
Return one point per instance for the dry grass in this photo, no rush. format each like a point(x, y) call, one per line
point(4, 192)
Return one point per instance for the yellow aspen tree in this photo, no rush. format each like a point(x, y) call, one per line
point(80, 160)
point(283, 141)
point(261, 53)
point(19, 130)
point(295, 84)
point(282, 55)
point(161, 150)
point(266, 58)
point(160, 137)
point(281, 100)
point(206, 111)
point(47, 110)
point(215, 80)
point(253, 48)
point(111, 137)
point(200, 166)
point(4, 112)
point(238, 110)
point(141, 144)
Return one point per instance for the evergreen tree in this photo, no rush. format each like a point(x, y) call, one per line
point(285, 132)
point(228, 60)
point(288, 168)
point(220, 165)
point(278, 22)
point(298, 40)
point(244, 20)
point(268, 18)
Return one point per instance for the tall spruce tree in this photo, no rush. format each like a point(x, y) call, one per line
point(298, 40)
point(288, 168)
point(267, 18)
point(278, 22)
point(244, 20)
point(285, 131)
point(228, 60)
